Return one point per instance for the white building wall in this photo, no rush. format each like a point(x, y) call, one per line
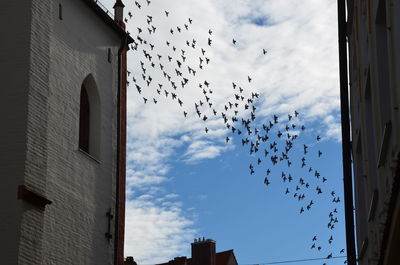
point(40, 147)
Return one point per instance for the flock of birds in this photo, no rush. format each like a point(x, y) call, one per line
point(271, 142)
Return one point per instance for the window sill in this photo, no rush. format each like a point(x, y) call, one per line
point(364, 247)
point(28, 195)
point(384, 144)
point(89, 156)
point(372, 205)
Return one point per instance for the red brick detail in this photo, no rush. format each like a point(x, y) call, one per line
point(32, 197)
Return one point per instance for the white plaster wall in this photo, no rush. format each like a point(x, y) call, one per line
point(63, 53)
point(31, 230)
point(81, 188)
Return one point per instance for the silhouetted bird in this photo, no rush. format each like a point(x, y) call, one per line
point(266, 181)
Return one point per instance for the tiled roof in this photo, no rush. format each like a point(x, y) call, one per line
point(222, 258)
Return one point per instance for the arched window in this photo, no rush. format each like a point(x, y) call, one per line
point(89, 118)
point(84, 121)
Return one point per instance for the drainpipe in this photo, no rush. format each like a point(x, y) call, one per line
point(120, 161)
point(120, 176)
point(346, 144)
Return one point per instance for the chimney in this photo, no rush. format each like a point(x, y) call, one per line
point(130, 261)
point(119, 10)
point(203, 252)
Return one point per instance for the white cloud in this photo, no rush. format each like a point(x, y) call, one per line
point(203, 197)
point(200, 150)
point(156, 232)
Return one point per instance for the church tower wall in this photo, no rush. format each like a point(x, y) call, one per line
point(64, 209)
point(14, 74)
point(76, 181)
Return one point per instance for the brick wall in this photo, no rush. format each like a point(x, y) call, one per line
point(44, 146)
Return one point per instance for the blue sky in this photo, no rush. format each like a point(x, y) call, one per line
point(184, 183)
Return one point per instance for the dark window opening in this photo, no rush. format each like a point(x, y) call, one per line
point(84, 121)
point(60, 12)
point(109, 55)
point(383, 63)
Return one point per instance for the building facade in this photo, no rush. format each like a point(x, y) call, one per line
point(62, 145)
point(373, 35)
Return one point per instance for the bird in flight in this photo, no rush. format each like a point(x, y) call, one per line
point(266, 181)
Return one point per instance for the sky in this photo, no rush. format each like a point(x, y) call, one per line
point(183, 182)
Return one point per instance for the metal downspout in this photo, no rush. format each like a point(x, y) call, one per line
point(346, 144)
point(118, 162)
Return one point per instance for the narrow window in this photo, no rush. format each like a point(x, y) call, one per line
point(89, 118)
point(84, 121)
point(109, 55)
point(60, 11)
point(383, 63)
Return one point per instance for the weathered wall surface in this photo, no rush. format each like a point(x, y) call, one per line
point(82, 189)
point(374, 59)
point(42, 70)
point(15, 19)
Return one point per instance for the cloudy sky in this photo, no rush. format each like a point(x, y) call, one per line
point(185, 183)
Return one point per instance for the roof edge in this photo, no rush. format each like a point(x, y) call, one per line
point(108, 20)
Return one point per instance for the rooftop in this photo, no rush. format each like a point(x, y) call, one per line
point(108, 17)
